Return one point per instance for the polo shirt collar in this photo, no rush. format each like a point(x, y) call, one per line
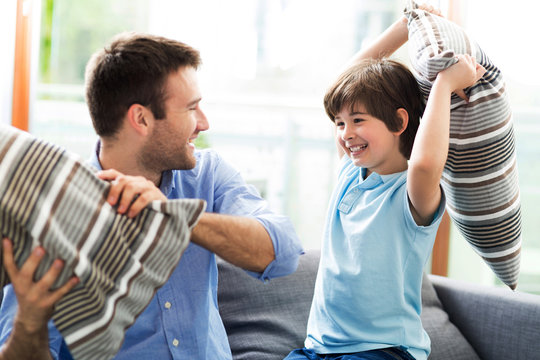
point(374, 178)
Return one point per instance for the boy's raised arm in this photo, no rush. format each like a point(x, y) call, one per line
point(430, 148)
point(385, 44)
point(390, 40)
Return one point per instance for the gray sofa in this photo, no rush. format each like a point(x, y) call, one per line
point(464, 321)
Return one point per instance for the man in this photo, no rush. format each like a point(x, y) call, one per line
point(144, 100)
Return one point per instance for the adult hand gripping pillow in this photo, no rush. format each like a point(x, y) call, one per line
point(48, 197)
point(480, 178)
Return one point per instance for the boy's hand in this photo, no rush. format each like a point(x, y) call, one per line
point(430, 9)
point(466, 72)
point(36, 299)
point(131, 193)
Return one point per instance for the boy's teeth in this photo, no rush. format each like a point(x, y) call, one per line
point(357, 148)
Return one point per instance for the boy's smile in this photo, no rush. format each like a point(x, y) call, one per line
point(357, 148)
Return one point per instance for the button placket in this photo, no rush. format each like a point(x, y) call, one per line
point(348, 200)
point(170, 318)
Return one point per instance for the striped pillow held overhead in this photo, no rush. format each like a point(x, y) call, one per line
point(48, 197)
point(480, 178)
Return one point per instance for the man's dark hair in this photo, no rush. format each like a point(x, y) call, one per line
point(382, 86)
point(132, 69)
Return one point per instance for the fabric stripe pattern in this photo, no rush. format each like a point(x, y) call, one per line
point(480, 178)
point(48, 197)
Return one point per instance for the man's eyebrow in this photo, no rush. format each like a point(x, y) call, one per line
point(194, 102)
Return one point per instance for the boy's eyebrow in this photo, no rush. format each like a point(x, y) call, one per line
point(357, 113)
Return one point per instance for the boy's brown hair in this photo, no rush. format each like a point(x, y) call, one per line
point(382, 86)
point(132, 69)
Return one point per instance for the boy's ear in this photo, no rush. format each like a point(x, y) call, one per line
point(403, 115)
point(138, 118)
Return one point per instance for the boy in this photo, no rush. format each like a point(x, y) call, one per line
point(385, 211)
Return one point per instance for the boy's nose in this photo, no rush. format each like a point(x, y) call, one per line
point(347, 134)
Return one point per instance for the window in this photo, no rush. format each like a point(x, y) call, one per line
point(263, 78)
point(266, 65)
point(70, 32)
point(7, 39)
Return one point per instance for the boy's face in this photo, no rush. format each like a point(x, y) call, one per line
point(368, 142)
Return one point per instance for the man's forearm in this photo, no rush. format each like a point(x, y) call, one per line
point(241, 241)
point(23, 344)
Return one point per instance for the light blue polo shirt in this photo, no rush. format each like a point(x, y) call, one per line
point(367, 293)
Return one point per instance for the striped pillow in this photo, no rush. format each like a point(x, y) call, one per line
point(480, 177)
point(48, 197)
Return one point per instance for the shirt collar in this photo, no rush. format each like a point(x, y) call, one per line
point(94, 157)
point(166, 186)
point(374, 178)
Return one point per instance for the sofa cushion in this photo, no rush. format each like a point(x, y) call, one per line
point(267, 321)
point(447, 342)
point(480, 177)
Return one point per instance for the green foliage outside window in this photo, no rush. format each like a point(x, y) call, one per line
point(72, 30)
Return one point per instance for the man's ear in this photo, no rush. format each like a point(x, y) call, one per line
point(403, 115)
point(138, 118)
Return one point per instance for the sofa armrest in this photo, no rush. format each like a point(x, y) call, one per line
point(498, 323)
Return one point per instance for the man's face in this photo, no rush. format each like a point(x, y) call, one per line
point(170, 144)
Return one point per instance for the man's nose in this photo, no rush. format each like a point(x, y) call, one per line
point(202, 121)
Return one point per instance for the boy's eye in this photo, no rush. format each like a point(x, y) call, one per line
point(339, 123)
point(358, 120)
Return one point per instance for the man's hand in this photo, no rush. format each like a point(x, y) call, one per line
point(130, 193)
point(36, 299)
point(29, 337)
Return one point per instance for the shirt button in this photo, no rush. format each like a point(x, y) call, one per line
point(175, 342)
point(168, 305)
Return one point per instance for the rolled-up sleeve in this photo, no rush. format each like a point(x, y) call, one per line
point(233, 196)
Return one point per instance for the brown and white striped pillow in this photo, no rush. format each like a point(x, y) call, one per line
point(48, 197)
point(480, 178)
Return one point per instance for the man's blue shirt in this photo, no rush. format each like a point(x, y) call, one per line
point(182, 321)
